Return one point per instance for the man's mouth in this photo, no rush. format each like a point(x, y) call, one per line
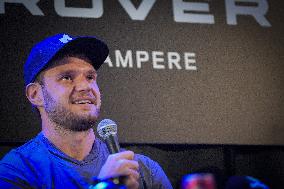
point(82, 102)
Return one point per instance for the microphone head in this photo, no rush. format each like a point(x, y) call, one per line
point(106, 128)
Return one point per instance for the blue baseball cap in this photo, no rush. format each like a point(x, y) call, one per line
point(42, 53)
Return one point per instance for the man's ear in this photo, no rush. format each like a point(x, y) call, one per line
point(34, 94)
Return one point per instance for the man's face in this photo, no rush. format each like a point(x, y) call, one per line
point(71, 94)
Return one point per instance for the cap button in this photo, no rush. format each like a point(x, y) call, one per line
point(65, 38)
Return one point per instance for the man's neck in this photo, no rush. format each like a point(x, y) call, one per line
point(75, 144)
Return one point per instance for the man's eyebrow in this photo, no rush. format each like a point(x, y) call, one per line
point(76, 71)
point(93, 72)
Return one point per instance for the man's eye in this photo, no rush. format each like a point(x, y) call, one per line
point(66, 77)
point(91, 77)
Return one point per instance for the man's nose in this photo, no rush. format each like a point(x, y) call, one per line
point(82, 84)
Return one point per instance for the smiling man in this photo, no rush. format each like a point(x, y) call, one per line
point(61, 84)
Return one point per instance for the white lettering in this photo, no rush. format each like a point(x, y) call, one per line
point(124, 62)
point(95, 12)
point(31, 5)
point(157, 59)
point(141, 56)
point(179, 8)
point(183, 11)
point(258, 12)
point(108, 61)
point(189, 61)
point(141, 12)
point(173, 59)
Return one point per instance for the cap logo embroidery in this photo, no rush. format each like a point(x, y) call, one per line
point(65, 38)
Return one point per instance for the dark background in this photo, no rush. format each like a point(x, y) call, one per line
point(226, 117)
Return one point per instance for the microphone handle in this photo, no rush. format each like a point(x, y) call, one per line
point(112, 144)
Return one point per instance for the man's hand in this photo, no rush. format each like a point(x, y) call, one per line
point(121, 164)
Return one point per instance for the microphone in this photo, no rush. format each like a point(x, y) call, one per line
point(107, 130)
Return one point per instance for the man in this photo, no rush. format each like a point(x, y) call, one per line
point(60, 75)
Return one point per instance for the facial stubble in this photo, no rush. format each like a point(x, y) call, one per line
point(64, 118)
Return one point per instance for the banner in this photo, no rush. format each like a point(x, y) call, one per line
point(188, 72)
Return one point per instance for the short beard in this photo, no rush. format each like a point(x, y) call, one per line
point(64, 118)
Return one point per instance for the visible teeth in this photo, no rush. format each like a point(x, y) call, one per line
point(83, 102)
